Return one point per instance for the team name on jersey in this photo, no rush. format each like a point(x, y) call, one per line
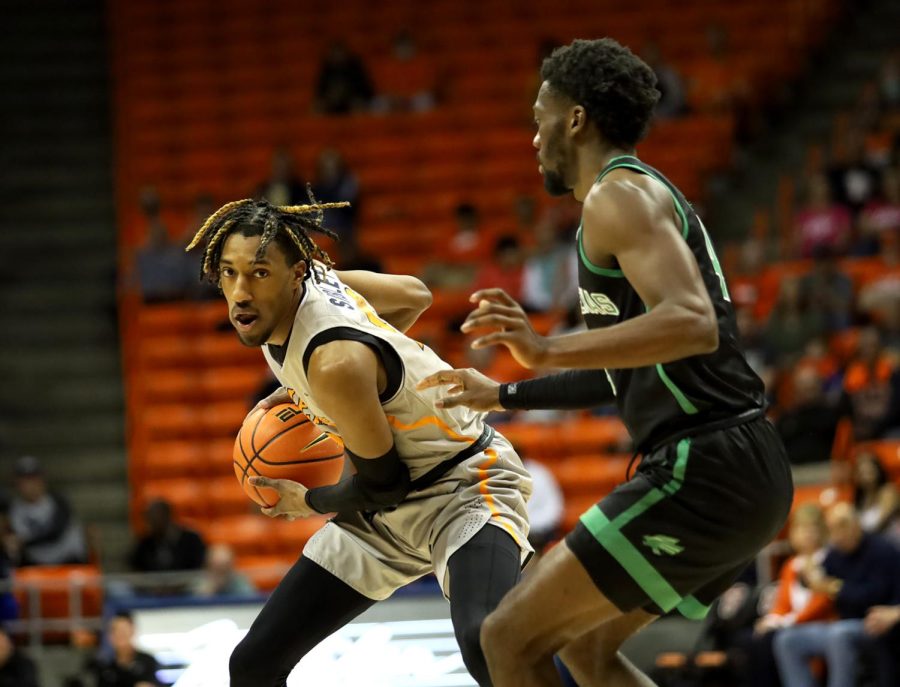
point(596, 303)
point(321, 422)
point(336, 295)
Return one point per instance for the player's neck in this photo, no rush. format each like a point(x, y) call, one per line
point(282, 332)
point(592, 160)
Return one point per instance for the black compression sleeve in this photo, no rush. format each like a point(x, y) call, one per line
point(379, 483)
point(569, 390)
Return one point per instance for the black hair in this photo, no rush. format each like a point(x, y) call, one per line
point(289, 226)
point(123, 614)
point(615, 87)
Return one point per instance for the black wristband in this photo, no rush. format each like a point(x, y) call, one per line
point(379, 483)
point(569, 390)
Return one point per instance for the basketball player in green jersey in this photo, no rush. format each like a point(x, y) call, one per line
point(714, 484)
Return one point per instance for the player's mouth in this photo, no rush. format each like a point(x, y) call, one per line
point(244, 321)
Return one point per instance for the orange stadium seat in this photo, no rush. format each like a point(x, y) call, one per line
point(189, 496)
point(59, 591)
point(265, 572)
point(247, 535)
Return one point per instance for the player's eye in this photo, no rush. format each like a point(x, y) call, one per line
point(227, 272)
point(261, 274)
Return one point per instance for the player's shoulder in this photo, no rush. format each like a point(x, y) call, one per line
point(342, 361)
point(626, 201)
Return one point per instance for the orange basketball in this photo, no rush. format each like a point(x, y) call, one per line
point(283, 444)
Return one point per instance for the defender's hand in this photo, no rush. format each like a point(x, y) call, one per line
point(277, 397)
point(468, 388)
point(509, 326)
point(292, 502)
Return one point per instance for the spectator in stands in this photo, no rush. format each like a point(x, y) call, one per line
point(792, 324)
point(343, 85)
point(860, 572)
point(822, 222)
point(828, 291)
point(867, 391)
point(881, 215)
point(354, 257)
point(406, 80)
point(545, 507)
point(167, 546)
point(550, 276)
point(672, 101)
point(283, 187)
point(43, 529)
point(795, 603)
point(876, 498)
point(220, 578)
point(16, 669)
point(122, 665)
point(335, 182)
point(466, 249)
point(808, 427)
point(505, 270)
point(160, 265)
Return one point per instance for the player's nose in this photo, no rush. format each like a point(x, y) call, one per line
point(242, 293)
point(536, 141)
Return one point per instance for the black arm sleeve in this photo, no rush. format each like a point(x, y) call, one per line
point(379, 483)
point(569, 390)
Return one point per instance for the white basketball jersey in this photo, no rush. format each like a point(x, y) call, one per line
point(329, 311)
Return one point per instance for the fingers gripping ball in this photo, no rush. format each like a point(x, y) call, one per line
point(281, 443)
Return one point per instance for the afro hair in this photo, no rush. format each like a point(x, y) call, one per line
point(615, 87)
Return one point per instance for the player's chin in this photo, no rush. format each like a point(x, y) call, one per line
point(554, 184)
point(252, 338)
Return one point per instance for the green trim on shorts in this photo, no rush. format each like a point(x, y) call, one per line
point(691, 608)
point(608, 534)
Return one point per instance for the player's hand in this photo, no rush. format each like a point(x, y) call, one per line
point(277, 397)
point(468, 388)
point(880, 619)
point(508, 325)
point(292, 502)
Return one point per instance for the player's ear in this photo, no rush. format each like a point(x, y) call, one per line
point(299, 268)
point(577, 119)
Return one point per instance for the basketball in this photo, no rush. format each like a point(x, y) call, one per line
point(282, 443)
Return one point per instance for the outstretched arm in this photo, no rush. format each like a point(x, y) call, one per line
point(398, 299)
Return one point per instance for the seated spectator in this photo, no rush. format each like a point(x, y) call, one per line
point(828, 291)
point(545, 507)
point(16, 669)
point(867, 392)
point(167, 546)
point(283, 187)
point(456, 265)
point(335, 183)
point(881, 215)
point(343, 85)
point(792, 324)
point(672, 100)
point(42, 528)
point(122, 665)
point(406, 80)
point(795, 603)
point(220, 577)
point(876, 498)
point(860, 573)
point(550, 275)
point(822, 222)
point(160, 265)
point(505, 271)
point(808, 426)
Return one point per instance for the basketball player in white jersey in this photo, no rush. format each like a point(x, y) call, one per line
point(434, 490)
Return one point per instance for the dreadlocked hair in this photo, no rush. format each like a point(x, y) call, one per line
point(290, 226)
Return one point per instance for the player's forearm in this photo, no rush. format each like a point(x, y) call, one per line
point(668, 332)
point(380, 483)
point(569, 390)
